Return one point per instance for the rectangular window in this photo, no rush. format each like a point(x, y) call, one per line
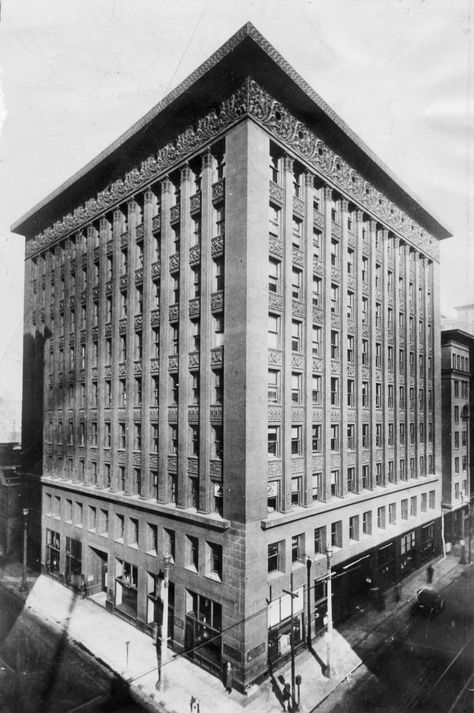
point(316, 485)
point(350, 348)
point(392, 514)
point(296, 440)
point(297, 232)
point(365, 435)
point(192, 552)
point(276, 556)
point(316, 437)
point(320, 541)
point(354, 528)
point(351, 480)
point(381, 518)
point(334, 253)
point(365, 476)
point(316, 340)
point(296, 336)
point(334, 344)
point(350, 392)
point(296, 283)
point(218, 386)
point(274, 441)
point(334, 391)
point(351, 441)
point(217, 445)
point(317, 283)
point(367, 523)
point(273, 331)
point(274, 275)
point(404, 509)
point(336, 534)
point(334, 437)
point(316, 388)
point(413, 506)
point(296, 380)
point(194, 440)
point(334, 299)
point(365, 352)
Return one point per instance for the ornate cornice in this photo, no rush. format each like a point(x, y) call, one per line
point(250, 100)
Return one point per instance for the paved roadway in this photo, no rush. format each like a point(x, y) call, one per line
point(41, 672)
point(417, 663)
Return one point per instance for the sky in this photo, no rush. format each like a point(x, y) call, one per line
point(75, 74)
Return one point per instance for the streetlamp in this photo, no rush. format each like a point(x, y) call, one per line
point(164, 624)
point(24, 583)
point(329, 553)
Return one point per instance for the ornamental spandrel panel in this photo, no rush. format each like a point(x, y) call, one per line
point(108, 330)
point(174, 262)
point(335, 460)
point(124, 240)
point(84, 260)
point(195, 202)
point(351, 326)
point(172, 414)
point(351, 282)
point(108, 288)
point(174, 214)
point(193, 414)
point(122, 370)
point(139, 232)
point(275, 301)
point(317, 364)
point(172, 464)
point(335, 230)
point(215, 469)
point(275, 357)
point(335, 367)
point(155, 317)
point(215, 414)
point(156, 223)
point(94, 372)
point(335, 414)
point(95, 333)
point(193, 360)
point(335, 321)
point(351, 240)
point(138, 322)
point(83, 336)
point(218, 190)
point(275, 468)
point(318, 219)
point(335, 274)
point(350, 457)
point(153, 461)
point(297, 413)
point(365, 248)
point(297, 309)
point(378, 374)
point(318, 267)
point(123, 325)
point(297, 361)
point(194, 307)
point(275, 414)
point(217, 301)
point(139, 276)
point(120, 456)
point(137, 367)
point(365, 372)
point(155, 270)
point(275, 246)
point(173, 313)
point(217, 356)
point(194, 254)
point(109, 246)
point(297, 466)
point(217, 245)
point(155, 365)
point(173, 362)
point(298, 206)
point(297, 256)
point(123, 281)
point(365, 456)
point(193, 466)
point(154, 413)
point(276, 192)
point(318, 462)
point(365, 330)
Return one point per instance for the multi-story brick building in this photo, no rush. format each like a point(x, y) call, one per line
point(241, 206)
point(457, 353)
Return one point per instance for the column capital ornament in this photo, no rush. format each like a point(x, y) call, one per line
point(309, 178)
point(359, 216)
point(288, 163)
point(149, 196)
point(327, 192)
point(207, 159)
point(345, 205)
point(132, 206)
point(186, 172)
point(166, 184)
point(104, 223)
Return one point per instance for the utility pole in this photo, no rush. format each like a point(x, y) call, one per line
point(292, 646)
point(329, 553)
point(164, 624)
point(24, 583)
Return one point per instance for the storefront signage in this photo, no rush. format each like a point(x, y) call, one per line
point(253, 653)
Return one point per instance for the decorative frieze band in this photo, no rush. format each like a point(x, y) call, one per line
point(254, 101)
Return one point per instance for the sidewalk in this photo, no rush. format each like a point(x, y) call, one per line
point(106, 636)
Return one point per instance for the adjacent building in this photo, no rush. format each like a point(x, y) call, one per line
point(457, 353)
point(232, 358)
point(10, 502)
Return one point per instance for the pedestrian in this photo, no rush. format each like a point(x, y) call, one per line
point(83, 587)
point(430, 573)
point(229, 676)
point(398, 592)
point(286, 696)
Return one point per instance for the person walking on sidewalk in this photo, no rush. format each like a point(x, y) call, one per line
point(228, 677)
point(430, 573)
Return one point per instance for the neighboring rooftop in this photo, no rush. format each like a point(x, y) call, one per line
point(247, 53)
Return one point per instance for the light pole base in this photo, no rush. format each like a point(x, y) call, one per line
point(463, 555)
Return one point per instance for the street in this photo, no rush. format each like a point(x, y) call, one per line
point(416, 662)
point(42, 672)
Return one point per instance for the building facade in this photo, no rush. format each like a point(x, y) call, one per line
point(456, 369)
point(231, 356)
point(10, 502)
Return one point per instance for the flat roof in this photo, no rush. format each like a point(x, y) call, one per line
point(246, 53)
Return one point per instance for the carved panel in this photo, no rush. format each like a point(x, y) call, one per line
point(194, 254)
point(275, 301)
point(155, 270)
point(194, 307)
point(216, 414)
point(137, 367)
point(335, 321)
point(217, 245)
point(298, 206)
point(297, 361)
point(350, 370)
point(318, 267)
point(318, 219)
point(108, 371)
point(217, 301)
point(297, 413)
point(335, 460)
point(317, 364)
point(172, 414)
point(139, 232)
point(174, 214)
point(194, 360)
point(275, 468)
point(174, 262)
point(317, 315)
point(297, 256)
point(155, 317)
point(156, 223)
point(139, 276)
point(276, 192)
point(275, 246)
point(123, 282)
point(217, 356)
point(122, 325)
point(173, 362)
point(174, 313)
point(193, 466)
point(297, 309)
point(193, 414)
point(275, 413)
point(215, 469)
point(108, 288)
point(154, 413)
point(297, 466)
point(195, 202)
point(275, 357)
point(172, 464)
point(335, 230)
point(218, 191)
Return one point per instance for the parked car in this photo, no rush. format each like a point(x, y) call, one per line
point(429, 601)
